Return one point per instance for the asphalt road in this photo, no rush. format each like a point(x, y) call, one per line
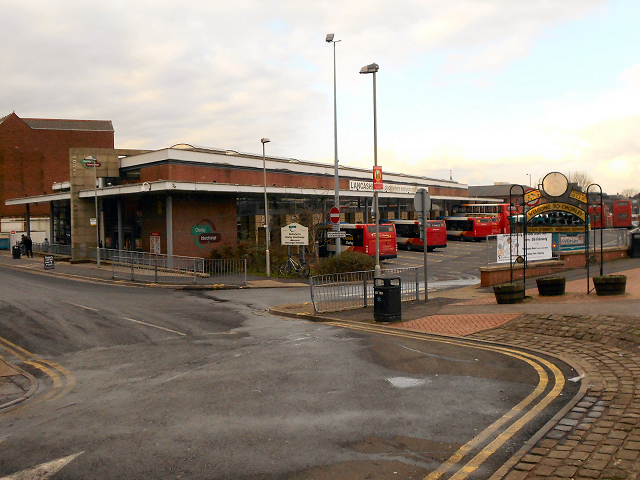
point(454, 266)
point(155, 383)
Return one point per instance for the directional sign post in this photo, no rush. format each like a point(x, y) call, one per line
point(334, 216)
point(422, 203)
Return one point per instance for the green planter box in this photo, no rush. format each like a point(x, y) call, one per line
point(509, 293)
point(551, 286)
point(610, 284)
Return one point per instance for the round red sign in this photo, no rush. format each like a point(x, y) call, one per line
point(334, 215)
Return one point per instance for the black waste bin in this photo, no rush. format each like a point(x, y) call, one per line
point(387, 305)
point(634, 249)
point(16, 251)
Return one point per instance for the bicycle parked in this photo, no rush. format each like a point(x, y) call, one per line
point(300, 267)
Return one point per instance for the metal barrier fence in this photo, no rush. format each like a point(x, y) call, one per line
point(53, 249)
point(155, 268)
point(347, 291)
point(611, 237)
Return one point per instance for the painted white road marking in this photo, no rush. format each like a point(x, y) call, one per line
point(80, 306)
point(154, 326)
point(44, 471)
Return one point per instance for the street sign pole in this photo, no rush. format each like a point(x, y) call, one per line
point(422, 203)
point(424, 249)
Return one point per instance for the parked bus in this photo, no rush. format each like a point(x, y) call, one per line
point(500, 211)
point(597, 219)
point(622, 214)
point(471, 228)
point(408, 233)
point(360, 237)
point(617, 214)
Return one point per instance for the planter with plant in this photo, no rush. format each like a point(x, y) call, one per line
point(610, 284)
point(551, 286)
point(509, 293)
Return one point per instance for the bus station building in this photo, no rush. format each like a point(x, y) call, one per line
point(181, 200)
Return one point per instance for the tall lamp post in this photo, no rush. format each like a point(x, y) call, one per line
point(94, 160)
point(373, 68)
point(529, 179)
point(330, 39)
point(266, 208)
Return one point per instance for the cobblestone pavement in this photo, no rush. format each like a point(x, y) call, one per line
point(600, 436)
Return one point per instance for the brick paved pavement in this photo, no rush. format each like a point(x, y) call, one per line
point(459, 325)
point(600, 436)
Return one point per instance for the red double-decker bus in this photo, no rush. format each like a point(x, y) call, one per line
point(502, 212)
point(471, 228)
point(360, 237)
point(621, 214)
point(408, 234)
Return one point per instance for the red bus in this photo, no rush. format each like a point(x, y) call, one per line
point(622, 214)
point(408, 234)
point(596, 217)
point(360, 237)
point(500, 211)
point(471, 228)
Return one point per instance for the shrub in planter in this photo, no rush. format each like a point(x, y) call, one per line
point(610, 284)
point(346, 262)
point(551, 286)
point(509, 293)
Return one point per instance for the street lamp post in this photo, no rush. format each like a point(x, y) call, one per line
point(94, 160)
point(330, 39)
point(266, 209)
point(373, 68)
point(529, 179)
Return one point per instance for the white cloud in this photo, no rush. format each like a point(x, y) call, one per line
point(226, 74)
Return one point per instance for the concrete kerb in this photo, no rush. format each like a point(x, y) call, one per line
point(33, 387)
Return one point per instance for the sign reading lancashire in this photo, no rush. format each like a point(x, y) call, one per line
point(359, 186)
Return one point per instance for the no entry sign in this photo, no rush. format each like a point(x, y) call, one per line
point(334, 215)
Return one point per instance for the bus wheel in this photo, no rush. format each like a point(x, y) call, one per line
point(409, 248)
point(429, 249)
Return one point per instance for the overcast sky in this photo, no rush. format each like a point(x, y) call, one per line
point(483, 90)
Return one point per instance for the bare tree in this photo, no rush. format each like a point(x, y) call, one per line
point(581, 179)
point(630, 192)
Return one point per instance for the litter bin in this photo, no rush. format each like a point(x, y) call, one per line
point(15, 250)
point(387, 298)
point(634, 249)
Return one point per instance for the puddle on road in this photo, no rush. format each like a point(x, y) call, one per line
point(406, 382)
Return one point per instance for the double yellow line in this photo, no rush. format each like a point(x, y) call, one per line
point(503, 428)
point(62, 380)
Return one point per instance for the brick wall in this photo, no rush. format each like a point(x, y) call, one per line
point(496, 275)
point(31, 160)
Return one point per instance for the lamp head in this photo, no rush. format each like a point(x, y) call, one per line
point(373, 68)
point(265, 140)
point(329, 37)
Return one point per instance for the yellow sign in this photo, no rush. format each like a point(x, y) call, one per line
point(556, 206)
point(581, 197)
point(555, 229)
point(532, 195)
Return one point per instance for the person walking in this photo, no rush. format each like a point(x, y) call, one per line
point(28, 246)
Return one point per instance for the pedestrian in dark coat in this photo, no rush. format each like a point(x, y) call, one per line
point(28, 246)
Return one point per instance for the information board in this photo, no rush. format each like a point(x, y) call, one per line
point(510, 247)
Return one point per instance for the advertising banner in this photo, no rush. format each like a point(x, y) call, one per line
point(509, 247)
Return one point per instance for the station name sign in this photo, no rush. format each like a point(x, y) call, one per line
point(358, 186)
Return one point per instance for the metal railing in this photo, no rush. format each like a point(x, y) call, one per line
point(347, 291)
point(157, 268)
point(52, 249)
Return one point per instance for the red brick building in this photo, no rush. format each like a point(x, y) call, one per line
point(34, 155)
